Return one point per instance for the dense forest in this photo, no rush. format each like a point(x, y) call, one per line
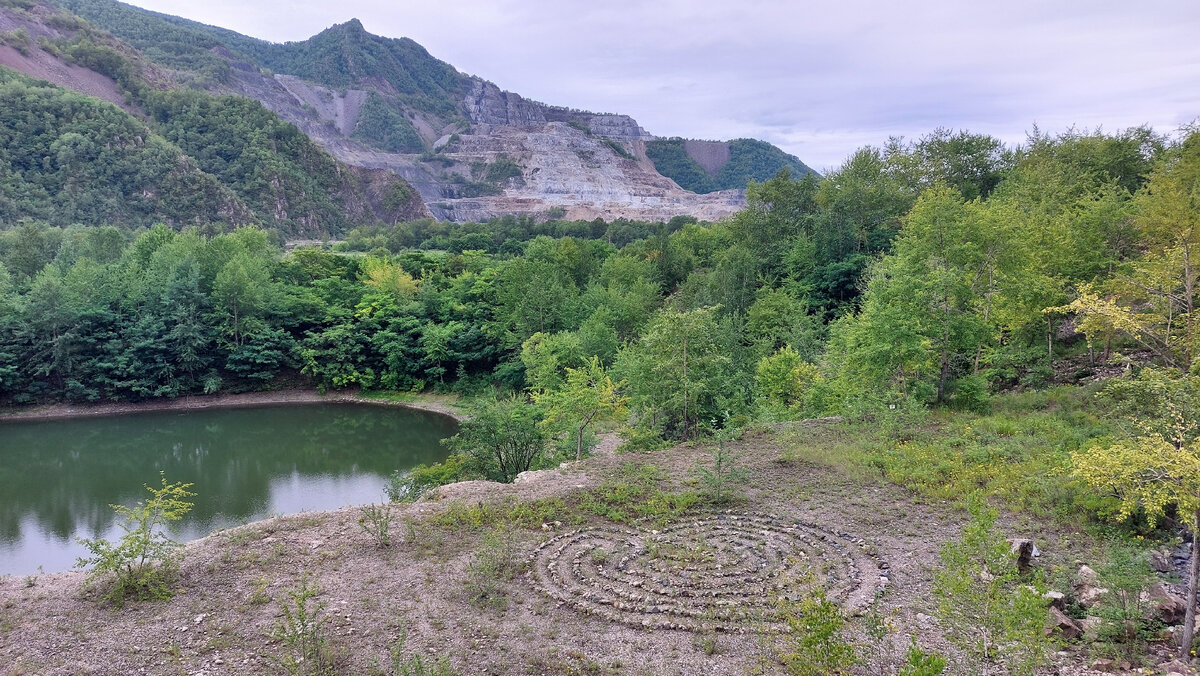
point(194, 159)
point(933, 273)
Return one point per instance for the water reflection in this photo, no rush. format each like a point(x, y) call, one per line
point(58, 478)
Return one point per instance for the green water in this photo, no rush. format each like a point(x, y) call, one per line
point(58, 478)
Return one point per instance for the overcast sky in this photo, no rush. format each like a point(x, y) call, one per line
point(815, 79)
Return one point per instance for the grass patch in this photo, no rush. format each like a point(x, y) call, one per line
point(1019, 451)
point(632, 493)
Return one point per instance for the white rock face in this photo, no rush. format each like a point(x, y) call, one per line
point(569, 167)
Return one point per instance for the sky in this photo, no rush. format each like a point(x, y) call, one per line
point(816, 79)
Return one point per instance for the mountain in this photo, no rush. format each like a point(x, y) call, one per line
point(377, 107)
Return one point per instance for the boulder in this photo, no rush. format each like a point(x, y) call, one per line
point(1175, 667)
point(1089, 596)
point(1161, 561)
point(1085, 576)
point(1063, 626)
point(1106, 666)
point(1164, 606)
point(1055, 599)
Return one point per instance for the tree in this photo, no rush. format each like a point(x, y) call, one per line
point(1157, 466)
point(587, 395)
point(679, 369)
point(502, 438)
point(1155, 300)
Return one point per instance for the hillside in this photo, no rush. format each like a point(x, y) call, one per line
point(137, 149)
point(709, 166)
point(470, 149)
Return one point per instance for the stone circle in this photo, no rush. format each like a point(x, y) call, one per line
point(725, 572)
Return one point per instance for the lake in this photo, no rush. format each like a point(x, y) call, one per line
point(58, 477)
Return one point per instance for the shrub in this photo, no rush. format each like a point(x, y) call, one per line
point(411, 485)
point(1124, 628)
point(720, 480)
point(142, 564)
point(817, 644)
point(982, 601)
point(501, 439)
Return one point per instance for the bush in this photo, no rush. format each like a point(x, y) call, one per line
point(142, 564)
point(817, 642)
point(501, 439)
point(410, 485)
point(1124, 629)
point(982, 601)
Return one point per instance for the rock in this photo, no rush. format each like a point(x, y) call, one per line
point(1055, 599)
point(1163, 605)
point(1160, 561)
point(1088, 596)
point(1175, 666)
point(1091, 626)
point(1063, 626)
point(1106, 666)
point(1023, 551)
point(1086, 576)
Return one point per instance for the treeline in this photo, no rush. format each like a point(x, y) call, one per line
point(880, 284)
point(504, 235)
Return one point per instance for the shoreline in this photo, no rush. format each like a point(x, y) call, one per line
point(206, 401)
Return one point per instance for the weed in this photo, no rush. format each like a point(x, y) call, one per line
point(259, 595)
point(302, 632)
point(497, 561)
point(414, 665)
point(376, 521)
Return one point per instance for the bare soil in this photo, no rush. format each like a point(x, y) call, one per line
point(228, 603)
point(442, 405)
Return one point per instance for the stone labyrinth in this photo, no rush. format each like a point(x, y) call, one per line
point(725, 572)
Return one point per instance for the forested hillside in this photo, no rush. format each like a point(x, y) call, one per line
point(67, 159)
point(749, 160)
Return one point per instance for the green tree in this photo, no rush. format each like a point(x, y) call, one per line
point(587, 395)
point(679, 370)
point(502, 438)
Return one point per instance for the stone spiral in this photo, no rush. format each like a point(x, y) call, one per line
point(725, 572)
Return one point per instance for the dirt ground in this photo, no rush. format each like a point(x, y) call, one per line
point(228, 606)
point(431, 403)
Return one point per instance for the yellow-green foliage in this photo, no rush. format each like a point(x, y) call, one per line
point(1158, 464)
point(784, 380)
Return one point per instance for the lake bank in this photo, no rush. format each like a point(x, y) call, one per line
point(430, 403)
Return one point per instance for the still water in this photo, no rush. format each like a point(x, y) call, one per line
point(58, 477)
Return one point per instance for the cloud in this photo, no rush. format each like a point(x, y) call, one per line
point(816, 79)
